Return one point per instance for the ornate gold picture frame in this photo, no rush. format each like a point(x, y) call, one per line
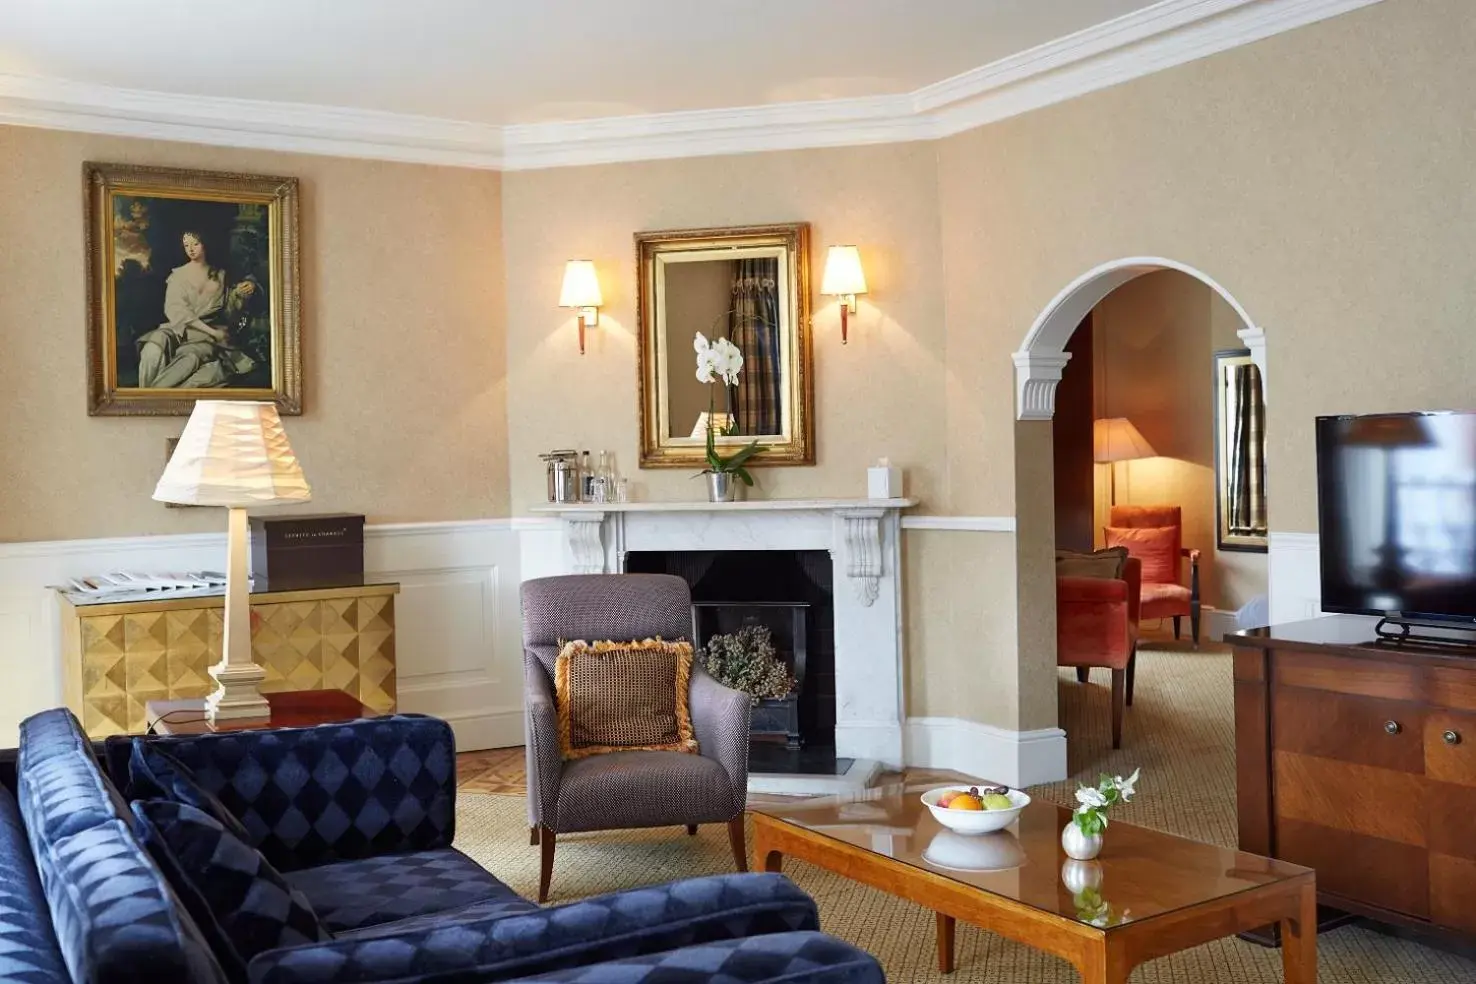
point(192, 289)
point(751, 286)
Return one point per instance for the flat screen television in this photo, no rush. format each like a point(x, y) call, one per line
point(1396, 505)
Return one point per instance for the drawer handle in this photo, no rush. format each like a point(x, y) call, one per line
point(1452, 737)
point(1392, 727)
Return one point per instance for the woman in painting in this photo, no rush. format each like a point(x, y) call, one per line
point(193, 348)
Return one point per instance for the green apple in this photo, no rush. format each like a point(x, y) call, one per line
point(997, 801)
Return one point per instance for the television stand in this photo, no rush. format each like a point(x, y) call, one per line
point(1398, 630)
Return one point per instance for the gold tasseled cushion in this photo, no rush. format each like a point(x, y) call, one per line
point(623, 696)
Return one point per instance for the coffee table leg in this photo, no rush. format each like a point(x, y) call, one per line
point(1299, 941)
point(945, 943)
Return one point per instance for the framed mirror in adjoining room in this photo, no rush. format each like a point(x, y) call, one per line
point(751, 286)
point(1240, 452)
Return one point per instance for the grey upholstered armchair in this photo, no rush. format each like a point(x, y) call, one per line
point(626, 789)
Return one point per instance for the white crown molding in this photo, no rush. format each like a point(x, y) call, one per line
point(1161, 36)
point(59, 104)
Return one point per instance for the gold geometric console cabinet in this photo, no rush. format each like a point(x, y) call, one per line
point(119, 655)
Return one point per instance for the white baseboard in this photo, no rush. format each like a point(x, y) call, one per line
point(458, 642)
point(1016, 758)
point(879, 740)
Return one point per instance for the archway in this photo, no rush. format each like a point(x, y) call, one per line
point(1038, 365)
point(1042, 355)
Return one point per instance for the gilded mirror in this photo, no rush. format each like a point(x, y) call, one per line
point(1240, 452)
point(750, 286)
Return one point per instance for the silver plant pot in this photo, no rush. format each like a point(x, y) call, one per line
point(721, 486)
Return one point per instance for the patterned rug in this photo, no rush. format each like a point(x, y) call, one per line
point(1180, 731)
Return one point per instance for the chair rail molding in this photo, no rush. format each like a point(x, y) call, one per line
point(1160, 36)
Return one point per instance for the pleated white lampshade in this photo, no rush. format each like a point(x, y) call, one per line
point(1116, 439)
point(233, 453)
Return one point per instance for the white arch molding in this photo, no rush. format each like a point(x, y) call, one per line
point(1042, 355)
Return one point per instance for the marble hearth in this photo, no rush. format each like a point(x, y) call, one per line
point(863, 539)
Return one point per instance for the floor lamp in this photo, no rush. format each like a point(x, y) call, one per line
point(1115, 439)
point(234, 454)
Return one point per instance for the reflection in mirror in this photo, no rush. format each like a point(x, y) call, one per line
point(1240, 452)
point(737, 300)
point(749, 286)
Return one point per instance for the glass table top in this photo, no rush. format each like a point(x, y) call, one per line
point(1141, 873)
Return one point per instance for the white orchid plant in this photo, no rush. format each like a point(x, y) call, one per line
point(720, 360)
point(1093, 802)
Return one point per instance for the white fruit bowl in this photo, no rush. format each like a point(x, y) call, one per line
point(974, 821)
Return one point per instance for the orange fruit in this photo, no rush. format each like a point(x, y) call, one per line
point(966, 801)
point(949, 797)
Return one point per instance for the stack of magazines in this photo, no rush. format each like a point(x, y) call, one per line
point(133, 583)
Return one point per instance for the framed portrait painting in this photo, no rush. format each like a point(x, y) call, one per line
point(192, 290)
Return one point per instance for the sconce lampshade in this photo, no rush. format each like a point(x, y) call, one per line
point(1116, 439)
point(233, 453)
point(843, 274)
point(581, 286)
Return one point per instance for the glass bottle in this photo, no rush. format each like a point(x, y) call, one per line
point(586, 478)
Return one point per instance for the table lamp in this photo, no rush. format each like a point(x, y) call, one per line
point(1115, 439)
point(235, 454)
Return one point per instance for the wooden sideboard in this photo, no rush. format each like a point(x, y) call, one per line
point(1358, 758)
point(119, 655)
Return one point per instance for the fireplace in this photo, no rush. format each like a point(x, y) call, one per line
point(790, 592)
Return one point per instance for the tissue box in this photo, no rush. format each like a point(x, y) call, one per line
point(884, 482)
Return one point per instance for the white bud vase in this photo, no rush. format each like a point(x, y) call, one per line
point(1082, 847)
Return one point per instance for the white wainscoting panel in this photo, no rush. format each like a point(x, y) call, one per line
point(1294, 577)
point(458, 647)
point(1016, 758)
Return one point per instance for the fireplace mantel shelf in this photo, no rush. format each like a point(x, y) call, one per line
point(756, 505)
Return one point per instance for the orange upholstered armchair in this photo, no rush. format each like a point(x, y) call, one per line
point(1097, 625)
point(1155, 535)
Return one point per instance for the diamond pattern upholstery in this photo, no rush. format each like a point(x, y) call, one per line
point(28, 951)
point(811, 957)
point(368, 891)
point(608, 927)
point(116, 919)
point(240, 902)
point(155, 774)
point(308, 796)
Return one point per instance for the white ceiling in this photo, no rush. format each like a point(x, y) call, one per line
point(527, 61)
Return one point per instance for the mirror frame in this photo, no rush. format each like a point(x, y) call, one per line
point(1225, 539)
point(657, 451)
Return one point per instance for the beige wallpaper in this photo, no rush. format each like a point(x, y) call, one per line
point(403, 344)
point(878, 395)
point(1321, 176)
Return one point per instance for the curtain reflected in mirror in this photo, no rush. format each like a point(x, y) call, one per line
point(1240, 452)
point(749, 287)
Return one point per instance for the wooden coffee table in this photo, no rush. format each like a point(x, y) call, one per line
point(1149, 894)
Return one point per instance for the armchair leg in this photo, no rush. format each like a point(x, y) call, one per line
point(545, 873)
point(1083, 674)
point(1176, 627)
point(533, 836)
point(1119, 688)
point(1194, 624)
point(691, 830)
point(1132, 672)
point(737, 839)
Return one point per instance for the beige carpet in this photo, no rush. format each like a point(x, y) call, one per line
point(1179, 730)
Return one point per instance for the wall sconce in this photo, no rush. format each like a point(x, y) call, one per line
point(582, 290)
point(844, 279)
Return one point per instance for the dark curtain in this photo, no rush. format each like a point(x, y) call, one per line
point(1247, 484)
point(753, 326)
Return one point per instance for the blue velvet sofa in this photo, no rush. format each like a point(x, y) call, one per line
point(358, 819)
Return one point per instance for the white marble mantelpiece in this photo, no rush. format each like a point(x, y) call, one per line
point(863, 538)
